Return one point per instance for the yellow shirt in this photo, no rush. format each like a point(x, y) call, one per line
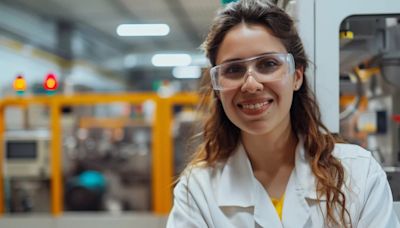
point(278, 204)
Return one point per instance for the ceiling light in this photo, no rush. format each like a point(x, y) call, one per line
point(186, 72)
point(143, 30)
point(164, 60)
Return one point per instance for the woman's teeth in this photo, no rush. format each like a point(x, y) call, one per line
point(254, 106)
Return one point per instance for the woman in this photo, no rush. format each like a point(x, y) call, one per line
point(266, 159)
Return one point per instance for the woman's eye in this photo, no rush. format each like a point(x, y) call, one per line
point(267, 64)
point(233, 69)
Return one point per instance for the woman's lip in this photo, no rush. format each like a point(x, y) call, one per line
point(254, 101)
point(265, 104)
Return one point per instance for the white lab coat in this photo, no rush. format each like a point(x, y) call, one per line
point(229, 195)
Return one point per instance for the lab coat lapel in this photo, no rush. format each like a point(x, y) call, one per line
point(236, 181)
point(301, 185)
point(239, 187)
point(296, 211)
point(264, 211)
point(305, 178)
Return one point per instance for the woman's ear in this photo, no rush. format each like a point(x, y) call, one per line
point(298, 78)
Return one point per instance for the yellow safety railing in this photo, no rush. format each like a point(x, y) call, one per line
point(162, 141)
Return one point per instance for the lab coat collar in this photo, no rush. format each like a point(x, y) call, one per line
point(236, 183)
point(301, 185)
point(305, 178)
point(238, 187)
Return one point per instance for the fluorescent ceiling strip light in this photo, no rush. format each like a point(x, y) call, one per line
point(165, 60)
point(143, 30)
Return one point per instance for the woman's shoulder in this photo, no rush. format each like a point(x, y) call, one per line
point(345, 150)
point(351, 152)
point(201, 174)
point(356, 159)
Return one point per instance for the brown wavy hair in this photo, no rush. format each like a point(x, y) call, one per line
point(305, 116)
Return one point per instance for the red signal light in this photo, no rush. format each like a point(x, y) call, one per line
point(50, 83)
point(19, 84)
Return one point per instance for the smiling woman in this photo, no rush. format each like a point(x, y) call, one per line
point(266, 159)
point(261, 101)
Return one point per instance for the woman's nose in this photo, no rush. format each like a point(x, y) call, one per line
point(251, 85)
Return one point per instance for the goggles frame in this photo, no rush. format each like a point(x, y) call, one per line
point(285, 58)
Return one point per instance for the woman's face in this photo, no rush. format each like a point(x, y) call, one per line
point(256, 108)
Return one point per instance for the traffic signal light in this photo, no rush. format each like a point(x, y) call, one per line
point(50, 83)
point(19, 84)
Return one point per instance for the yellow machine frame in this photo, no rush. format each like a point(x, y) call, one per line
point(162, 144)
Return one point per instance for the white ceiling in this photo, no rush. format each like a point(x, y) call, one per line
point(188, 19)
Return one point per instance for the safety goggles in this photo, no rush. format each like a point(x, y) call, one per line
point(264, 68)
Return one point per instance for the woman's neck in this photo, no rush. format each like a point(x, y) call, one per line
point(272, 159)
point(267, 153)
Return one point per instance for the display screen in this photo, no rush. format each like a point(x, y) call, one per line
point(21, 150)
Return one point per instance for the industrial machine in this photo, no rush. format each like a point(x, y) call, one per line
point(105, 152)
point(370, 69)
point(27, 170)
point(27, 154)
point(355, 66)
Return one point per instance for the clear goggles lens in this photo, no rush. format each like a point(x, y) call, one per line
point(264, 68)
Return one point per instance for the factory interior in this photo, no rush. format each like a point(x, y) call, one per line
point(96, 124)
